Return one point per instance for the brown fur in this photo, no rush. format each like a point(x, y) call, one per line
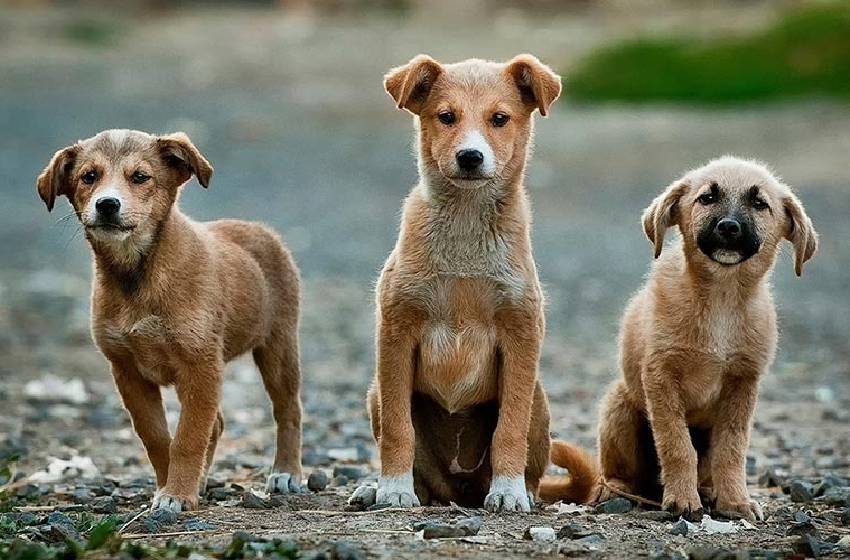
point(456, 397)
point(173, 300)
point(694, 342)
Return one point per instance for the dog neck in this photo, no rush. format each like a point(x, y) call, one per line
point(128, 263)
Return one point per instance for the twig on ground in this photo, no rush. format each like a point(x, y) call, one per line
point(632, 497)
point(134, 518)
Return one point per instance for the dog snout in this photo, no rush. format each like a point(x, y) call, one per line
point(469, 160)
point(728, 228)
point(107, 206)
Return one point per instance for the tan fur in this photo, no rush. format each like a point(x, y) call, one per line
point(580, 486)
point(173, 300)
point(694, 342)
point(459, 306)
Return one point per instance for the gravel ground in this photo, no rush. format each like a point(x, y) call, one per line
point(291, 113)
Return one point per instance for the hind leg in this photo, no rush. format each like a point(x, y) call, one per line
point(538, 442)
point(281, 371)
point(620, 445)
point(218, 428)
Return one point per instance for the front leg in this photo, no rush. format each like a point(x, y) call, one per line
point(143, 400)
point(396, 347)
point(730, 438)
point(676, 453)
point(520, 335)
point(199, 391)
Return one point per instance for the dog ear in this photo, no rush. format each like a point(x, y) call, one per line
point(179, 152)
point(663, 213)
point(801, 233)
point(54, 180)
point(537, 83)
point(409, 85)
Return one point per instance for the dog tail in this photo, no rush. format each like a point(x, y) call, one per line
point(579, 487)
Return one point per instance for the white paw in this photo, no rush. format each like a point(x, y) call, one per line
point(396, 491)
point(161, 500)
point(508, 493)
point(283, 483)
point(363, 496)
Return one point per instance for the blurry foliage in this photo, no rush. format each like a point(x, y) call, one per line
point(806, 53)
point(91, 32)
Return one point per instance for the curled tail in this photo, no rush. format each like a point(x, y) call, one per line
point(582, 483)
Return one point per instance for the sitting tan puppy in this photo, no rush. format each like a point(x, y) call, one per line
point(695, 341)
point(173, 300)
point(456, 403)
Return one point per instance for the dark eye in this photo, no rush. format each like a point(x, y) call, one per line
point(500, 119)
point(707, 198)
point(139, 177)
point(446, 117)
point(760, 204)
point(89, 177)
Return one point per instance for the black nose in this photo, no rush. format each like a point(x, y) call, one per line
point(728, 228)
point(107, 206)
point(468, 160)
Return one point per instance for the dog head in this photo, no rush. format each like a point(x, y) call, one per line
point(122, 183)
point(732, 213)
point(475, 117)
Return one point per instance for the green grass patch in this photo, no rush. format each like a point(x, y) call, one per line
point(91, 32)
point(806, 53)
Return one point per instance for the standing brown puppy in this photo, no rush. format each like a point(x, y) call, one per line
point(456, 403)
point(697, 338)
point(173, 300)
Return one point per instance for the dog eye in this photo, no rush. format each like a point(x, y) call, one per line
point(446, 117)
point(760, 204)
point(89, 177)
point(500, 119)
point(139, 177)
point(707, 198)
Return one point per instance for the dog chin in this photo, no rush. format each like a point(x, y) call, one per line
point(469, 184)
point(110, 234)
point(727, 257)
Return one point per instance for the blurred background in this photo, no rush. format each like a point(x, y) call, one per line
point(286, 100)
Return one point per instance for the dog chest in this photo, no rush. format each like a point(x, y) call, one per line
point(148, 342)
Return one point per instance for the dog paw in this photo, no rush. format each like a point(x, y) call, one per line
point(283, 483)
point(396, 491)
point(747, 509)
point(686, 504)
point(363, 496)
point(172, 502)
point(508, 494)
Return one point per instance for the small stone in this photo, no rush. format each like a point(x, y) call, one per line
point(317, 481)
point(339, 481)
point(801, 517)
point(220, 494)
point(60, 528)
point(349, 471)
point(163, 516)
point(679, 528)
point(461, 527)
point(199, 525)
point(805, 528)
point(253, 501)
point(591, 539)
point(103, 504)
point(570, 531)
point(827, 482)
point(343, 550)
point(213, 483)
point(801, 491)
point(810, 546)
point(615, 505)
point(837, 496)
point(539, 534)
point(845, 516)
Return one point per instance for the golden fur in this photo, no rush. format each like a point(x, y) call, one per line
point(456, 403)
point(694, 342)
point(173, 300)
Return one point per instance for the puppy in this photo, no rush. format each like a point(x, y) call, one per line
point(696, 339)
point(456, 402)
point(173, 300)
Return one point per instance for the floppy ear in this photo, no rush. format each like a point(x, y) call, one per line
point(54, 180)
point(663, 213)
point(410, 84)
point(801, 233)
point(179, 152)
point(537, 83)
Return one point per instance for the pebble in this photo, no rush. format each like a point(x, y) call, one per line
point(810, 546)
point(769, 479)
point(159, 518)
point(343, 550)
point(103, 504)
point(539, 534)
point(571, 531)
point(317, 481)
point(199, 525)
point(804, 528)
point(60, 528)
point(614, 505)
point(801, 491)
point(679, 528)
point(461, 527)
point(845, 516)
point(837, 496)
point(801, 517)
point(829, 481)
point(339, 481)
point(253, 501)
point(349, 471)
point(220, 494)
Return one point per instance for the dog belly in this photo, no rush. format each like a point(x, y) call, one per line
point(457, 366)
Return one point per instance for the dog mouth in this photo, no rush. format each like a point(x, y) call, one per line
point(469, 181)
point(106, 227)
point(728, 257)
